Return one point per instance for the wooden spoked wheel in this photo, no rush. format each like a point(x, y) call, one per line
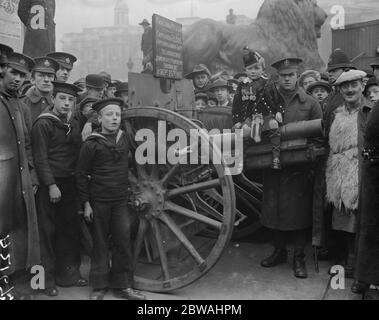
point(170, 252)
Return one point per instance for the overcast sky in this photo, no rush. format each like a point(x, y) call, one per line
point(74, 15)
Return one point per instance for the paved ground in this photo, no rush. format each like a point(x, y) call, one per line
point(238, 276)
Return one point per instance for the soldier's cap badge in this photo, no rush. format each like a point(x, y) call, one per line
point(286, 63)
point(68, 60)
point(22, 61)
point(47, 63)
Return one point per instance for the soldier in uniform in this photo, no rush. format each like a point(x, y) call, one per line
point(39, 97)
point(66, 64)
point(201, 77)
point(287, 199)
point(19, 181)
point(105, 156)
point(56, 147)
point(147, 44)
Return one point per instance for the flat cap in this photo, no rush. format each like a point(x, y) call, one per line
point(65, 60)
point(287, 64)
point(46, 65)
point(350, 75)
point(199, 69)
point(62, 87)
point(100, 105)
point(220, 83)
point(318, 84)
point(95, 81)
point(20, 62)
point(86, 101)
point(5, 52)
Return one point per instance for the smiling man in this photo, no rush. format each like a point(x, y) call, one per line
point(56, 149)
point(39, 97)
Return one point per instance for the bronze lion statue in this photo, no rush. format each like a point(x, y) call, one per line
point(283, 28)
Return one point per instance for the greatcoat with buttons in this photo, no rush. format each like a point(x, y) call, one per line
point(17, 204)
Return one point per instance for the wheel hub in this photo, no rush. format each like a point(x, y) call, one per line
point(148, 199)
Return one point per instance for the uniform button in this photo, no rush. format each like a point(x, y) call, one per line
point(43, 102)
point(21, 168)
point(13, 118)
point(19, 142)
point(23, 192)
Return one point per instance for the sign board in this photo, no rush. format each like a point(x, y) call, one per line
point(167, 48)
point(11, 28)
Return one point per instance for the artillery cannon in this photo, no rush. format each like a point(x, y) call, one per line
point(187, 212)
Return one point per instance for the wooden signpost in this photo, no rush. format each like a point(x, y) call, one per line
point(167, 48)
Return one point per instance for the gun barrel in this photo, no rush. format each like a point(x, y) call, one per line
point(303, 130)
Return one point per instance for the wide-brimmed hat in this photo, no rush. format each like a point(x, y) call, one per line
point(199, 69)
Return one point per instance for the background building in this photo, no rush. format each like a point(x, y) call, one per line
point(114, 49)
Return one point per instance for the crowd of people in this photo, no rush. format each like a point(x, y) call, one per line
point(63, 151)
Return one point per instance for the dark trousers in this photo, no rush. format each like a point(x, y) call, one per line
point(298, 238)
point(111, 229)
point(59, 228)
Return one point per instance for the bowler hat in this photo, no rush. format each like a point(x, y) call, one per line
point(322, 84)
point(46, 65)
point(65, 60)
point(339, 60)
point(95, 81)
point(100, 105)
point(20, 62)
point(144, 23)
point(62, 87)
point(5, 52)
point(199, 69)
point(349, 76)
point(107, 77)
point(122, 87)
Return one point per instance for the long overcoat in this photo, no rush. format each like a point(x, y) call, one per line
point(367, 268)
point(38, 19)
point(18, 201)
point(288, 193)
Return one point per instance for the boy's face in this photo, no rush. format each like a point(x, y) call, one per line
point(373, 93)
point(13, 79)
point(63, 74)
point(63, 103)
point(254, 71)
point(87, 109)
point(307, 82)
point(201, 104)
point(320, 93)
point(222, 94)
point(110, 118)
point(201, 80)
point(43, 81)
